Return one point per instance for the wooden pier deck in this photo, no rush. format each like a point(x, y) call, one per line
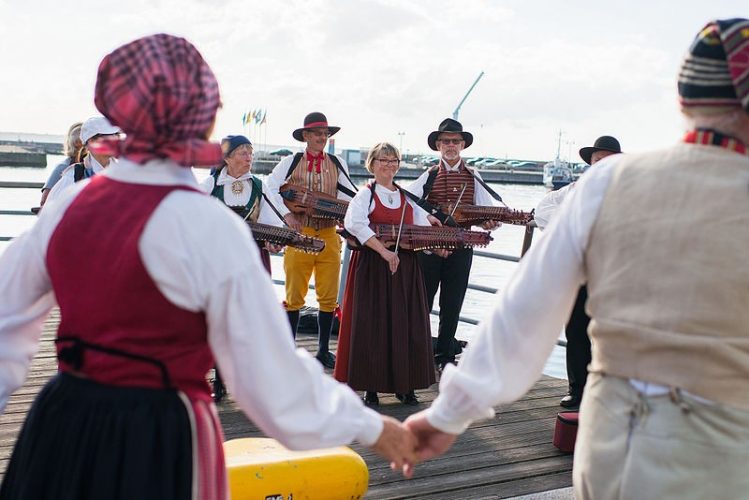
point(507, 456)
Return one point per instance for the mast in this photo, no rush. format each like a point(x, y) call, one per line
point(457, 109)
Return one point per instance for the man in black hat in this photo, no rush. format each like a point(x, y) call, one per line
point(321, 172)
point(578, 352)
point(448, 183)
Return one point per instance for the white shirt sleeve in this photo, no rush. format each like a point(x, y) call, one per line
point(548, 206)
point(420, 215)
point(26, 295)
point(481, 195)
point(417, 187)
point(356, 220)
point(343, 181)
point(267, 215)
point(514, 341)
point(66, 180)
point(202, 257)
point(275, 180)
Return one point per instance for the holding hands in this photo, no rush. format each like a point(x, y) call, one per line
point(411, 442)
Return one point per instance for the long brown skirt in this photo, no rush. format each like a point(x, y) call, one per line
point(391, 345)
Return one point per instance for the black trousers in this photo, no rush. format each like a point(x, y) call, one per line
point(578, 344)
point(450, 275)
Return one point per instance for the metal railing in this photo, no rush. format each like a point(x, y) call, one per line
point(527, 240)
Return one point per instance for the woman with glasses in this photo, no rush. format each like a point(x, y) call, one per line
point(233, 183)
point(385, 342)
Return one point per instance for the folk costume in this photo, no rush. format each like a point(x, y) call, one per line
point(665, 413)
point(578, 350)
point(442, 185)
point(243, 193)
point(327, 174)
point(162, 281)
point(384, 344)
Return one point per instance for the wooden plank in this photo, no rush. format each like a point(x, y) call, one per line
point(510, 454)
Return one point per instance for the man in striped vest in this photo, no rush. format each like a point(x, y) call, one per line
point(449, 182)
point(326, 173)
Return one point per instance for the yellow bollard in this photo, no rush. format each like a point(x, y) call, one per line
point(261, 468)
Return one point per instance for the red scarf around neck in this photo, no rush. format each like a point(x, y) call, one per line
point(315, 161)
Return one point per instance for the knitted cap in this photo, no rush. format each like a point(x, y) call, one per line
point(715, 71)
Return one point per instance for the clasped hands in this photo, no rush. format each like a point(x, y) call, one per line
point(411, 442)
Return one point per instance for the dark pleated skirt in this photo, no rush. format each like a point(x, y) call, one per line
point(390, 345)
point(85, 441)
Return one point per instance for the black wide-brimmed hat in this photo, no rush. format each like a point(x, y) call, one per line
point(449, 125)
point(603, 143)
point(312, 121)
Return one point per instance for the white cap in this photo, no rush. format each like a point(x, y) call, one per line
point(97, 125)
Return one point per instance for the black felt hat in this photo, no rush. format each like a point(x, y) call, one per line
point(449, 125)
point(312, 121)
point(603, 143)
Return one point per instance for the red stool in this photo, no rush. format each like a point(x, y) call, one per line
point(565, 431)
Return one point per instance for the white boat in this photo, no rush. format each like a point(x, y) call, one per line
point(557, 174)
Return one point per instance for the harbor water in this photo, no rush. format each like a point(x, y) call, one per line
point(486, 272)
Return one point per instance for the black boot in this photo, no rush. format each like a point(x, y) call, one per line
point(409, 398)
point(219, 389)
point(370, 398)
point(324, 325)
point(293, 321)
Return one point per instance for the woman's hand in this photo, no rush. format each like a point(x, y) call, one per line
point(391, 258)
point(442, 252)
point(491, 225)
point(433, 220)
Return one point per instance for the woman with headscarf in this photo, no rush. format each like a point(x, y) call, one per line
point(162, 281)
point(233, 183)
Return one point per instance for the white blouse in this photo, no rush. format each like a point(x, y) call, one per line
point(356, 220)
point(240, 197)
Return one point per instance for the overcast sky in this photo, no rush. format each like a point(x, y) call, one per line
point(380, 68)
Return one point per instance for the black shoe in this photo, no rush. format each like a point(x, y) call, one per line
point(442, 363)
point(570, 401)
point(327, 359)
point(370, 399)
point(409, 398)
point(219, 392)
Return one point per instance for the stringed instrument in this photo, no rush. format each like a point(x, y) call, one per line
point(316, 204)
point(413, 237)
point(284, 236)
point(277, 235)
point(478, 214)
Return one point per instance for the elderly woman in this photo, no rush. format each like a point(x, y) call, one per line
point(385, 341)
point(95, 128)
point(163, 282)
point(71, 148)
point(233, 183)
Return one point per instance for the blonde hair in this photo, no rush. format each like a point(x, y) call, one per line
point(70, 148)
point(384, 148)
point(732, 121)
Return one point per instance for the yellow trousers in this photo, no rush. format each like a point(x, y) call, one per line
point(326, 266)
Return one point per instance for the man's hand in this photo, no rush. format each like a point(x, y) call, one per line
point(397, 444)
point(491, 225)
point(293, 221)
point(273, 248)
point(431, 442)
point(441, 252)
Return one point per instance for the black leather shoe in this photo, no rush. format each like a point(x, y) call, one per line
point(370, 399)
point(570, 401)
point(409, 399)
point(327, 359)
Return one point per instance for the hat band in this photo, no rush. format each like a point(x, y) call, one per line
point(316, 125)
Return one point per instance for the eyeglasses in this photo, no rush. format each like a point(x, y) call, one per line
point(450, 141)
point(385, 161)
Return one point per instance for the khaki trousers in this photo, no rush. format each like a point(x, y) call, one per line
point(630, 446)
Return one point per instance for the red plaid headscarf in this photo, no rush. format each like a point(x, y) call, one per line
point(162, 94)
